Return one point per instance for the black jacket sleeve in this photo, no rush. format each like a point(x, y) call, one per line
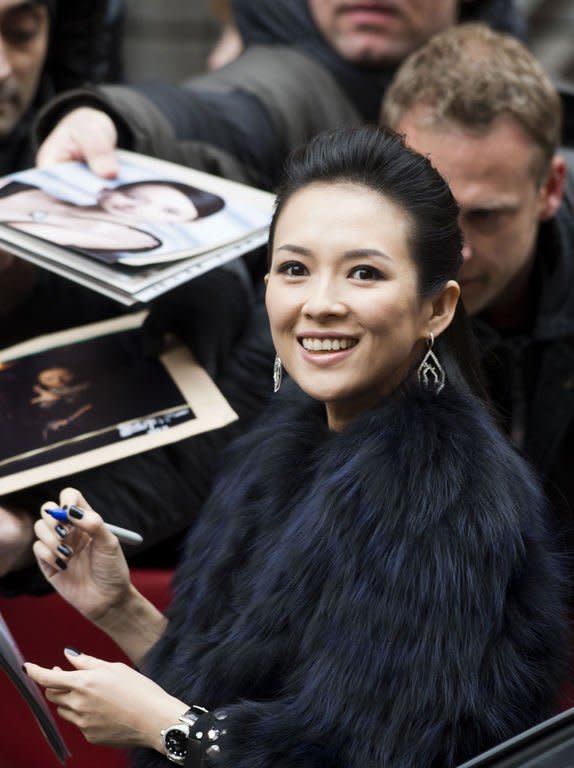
point(238, 122)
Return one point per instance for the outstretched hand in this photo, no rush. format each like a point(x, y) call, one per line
point(85, 134)
point(82, 560)
point(111, 703)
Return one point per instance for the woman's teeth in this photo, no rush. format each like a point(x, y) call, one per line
point(327, 345)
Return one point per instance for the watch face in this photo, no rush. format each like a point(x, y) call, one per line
point(175, 740)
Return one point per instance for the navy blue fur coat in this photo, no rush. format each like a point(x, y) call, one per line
point(383, 596)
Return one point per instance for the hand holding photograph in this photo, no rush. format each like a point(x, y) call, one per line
point(88, 396)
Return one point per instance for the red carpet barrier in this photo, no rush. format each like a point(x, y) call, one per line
point(42, 627)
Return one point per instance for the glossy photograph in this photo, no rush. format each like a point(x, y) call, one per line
point(75, 399)
point(142, 217)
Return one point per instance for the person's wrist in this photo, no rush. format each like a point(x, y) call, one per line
point(121, 611)
point(133, 623)
point(164, 714)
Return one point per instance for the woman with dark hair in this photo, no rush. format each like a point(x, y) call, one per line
point(371, 582)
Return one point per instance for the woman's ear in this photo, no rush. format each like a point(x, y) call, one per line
point(443, 307)
point(266, 279)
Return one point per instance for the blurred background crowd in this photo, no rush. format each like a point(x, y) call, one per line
point(174, 39)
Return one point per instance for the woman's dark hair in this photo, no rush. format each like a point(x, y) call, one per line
point(206, 203)
point(379, 160)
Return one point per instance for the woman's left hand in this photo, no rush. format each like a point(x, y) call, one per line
point(111, 703)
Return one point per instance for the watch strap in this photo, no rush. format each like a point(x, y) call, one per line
point(192, 715)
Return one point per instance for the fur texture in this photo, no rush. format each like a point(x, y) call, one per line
point(384, 596)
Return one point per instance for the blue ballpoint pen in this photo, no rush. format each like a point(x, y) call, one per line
point(123, 534)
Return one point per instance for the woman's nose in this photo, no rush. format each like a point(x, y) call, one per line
point(324, 300)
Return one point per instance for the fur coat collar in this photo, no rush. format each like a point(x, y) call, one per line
point(383, 596)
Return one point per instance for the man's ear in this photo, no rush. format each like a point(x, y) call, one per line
point(552, 189)
point(443, 307)
point(266, 279)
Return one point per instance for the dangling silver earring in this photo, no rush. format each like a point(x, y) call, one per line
point(277, 373)
point(430, 372)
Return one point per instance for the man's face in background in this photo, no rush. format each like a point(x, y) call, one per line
point(23, 47)
point(381, 32)
point(492, 174)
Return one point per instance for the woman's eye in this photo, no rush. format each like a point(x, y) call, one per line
point(292, 269)
point(366, 273)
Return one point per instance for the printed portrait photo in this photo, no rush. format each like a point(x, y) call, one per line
point(88, 396)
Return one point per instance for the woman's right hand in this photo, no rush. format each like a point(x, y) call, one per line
point(81, 559)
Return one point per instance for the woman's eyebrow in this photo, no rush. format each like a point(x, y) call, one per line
point(347, 255)
point(365, 253)
point(295, 249)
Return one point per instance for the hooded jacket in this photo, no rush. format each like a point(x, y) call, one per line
point(384, 596)
point(242, 121)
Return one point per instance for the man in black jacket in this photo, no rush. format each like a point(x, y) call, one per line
point(297, 77)
point(480, 106)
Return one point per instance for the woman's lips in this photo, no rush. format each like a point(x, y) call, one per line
point(325, 349)
point(327, 343)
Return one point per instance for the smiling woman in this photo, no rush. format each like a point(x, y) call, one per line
point(371, 582)
point(343, 296)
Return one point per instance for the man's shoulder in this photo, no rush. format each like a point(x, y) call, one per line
point(302, 96)
point(261, 64)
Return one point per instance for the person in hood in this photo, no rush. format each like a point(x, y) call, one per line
point(308, 65)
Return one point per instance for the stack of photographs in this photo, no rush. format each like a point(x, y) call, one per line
point(132, 238)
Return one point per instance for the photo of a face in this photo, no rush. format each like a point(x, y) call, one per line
point(148, 201)
point(59, 392)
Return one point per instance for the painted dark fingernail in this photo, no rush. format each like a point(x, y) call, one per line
point(63, 549)
point(24, 670)
point(61, 530)
point(60, 563)
point(75, 512)
point(72, 651)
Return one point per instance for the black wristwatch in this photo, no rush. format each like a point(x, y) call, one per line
point(176, 737)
